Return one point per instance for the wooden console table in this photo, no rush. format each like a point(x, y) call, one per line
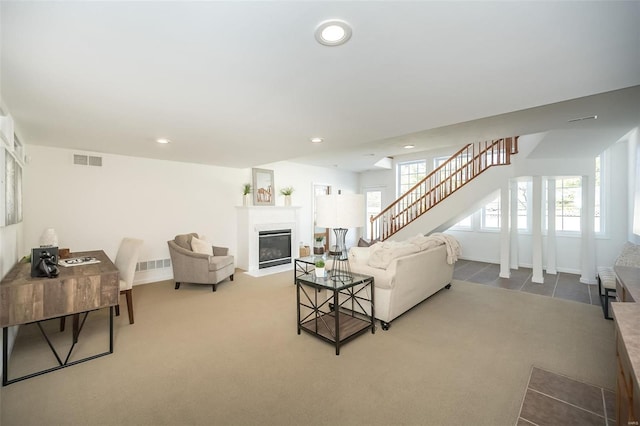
point(78, 289)
point(627, 319)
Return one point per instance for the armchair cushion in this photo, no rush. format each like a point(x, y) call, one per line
point(201, 246)
point(219, 262)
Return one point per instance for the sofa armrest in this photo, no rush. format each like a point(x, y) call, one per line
point(220, 251)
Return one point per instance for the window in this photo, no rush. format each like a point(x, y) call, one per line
point(373, 201)
point(409, 174)
point(490, 216)
point(524, 206)
point(568, 203)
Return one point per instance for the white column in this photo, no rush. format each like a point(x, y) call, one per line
point(551, 226)
point(536, 231)
point(505, 203)
point(514, 228)
point(587, 223)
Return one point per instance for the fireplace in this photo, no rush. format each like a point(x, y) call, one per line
point(274, 248)
point(268, 221)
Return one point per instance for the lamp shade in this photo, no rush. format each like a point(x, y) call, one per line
point(49, 238)
point(340, 211)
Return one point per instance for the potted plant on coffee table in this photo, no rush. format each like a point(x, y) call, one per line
point(320, 272)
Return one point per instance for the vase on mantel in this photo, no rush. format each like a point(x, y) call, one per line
point(287, 200)
point(246, 200)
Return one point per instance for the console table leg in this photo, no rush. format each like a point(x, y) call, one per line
point(5, 355)
point(110, 329)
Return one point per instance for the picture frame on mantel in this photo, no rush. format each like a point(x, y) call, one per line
point(263, 187)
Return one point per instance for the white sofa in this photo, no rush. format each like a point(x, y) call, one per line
point(406, 273)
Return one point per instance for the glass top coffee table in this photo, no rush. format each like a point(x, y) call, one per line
point(342, 312)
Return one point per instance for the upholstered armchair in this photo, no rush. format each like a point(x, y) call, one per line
point(196, 262)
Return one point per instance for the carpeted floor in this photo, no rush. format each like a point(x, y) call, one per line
point(233, 357)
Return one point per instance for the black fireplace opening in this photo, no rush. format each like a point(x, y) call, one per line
point(274, 248)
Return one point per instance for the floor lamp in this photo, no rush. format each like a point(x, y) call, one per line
point(340, 212)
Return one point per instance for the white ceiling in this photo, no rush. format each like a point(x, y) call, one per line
point(241, 84)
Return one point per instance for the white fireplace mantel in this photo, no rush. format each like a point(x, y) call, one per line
point(252, 220)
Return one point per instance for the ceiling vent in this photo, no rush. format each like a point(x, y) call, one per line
point(87, 160)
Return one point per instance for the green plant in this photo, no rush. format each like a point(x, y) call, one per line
point(319, 263)
point(287, 190)
point(246, 189)
point(319, 239)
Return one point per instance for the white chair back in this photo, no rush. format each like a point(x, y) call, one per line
point(126, 260)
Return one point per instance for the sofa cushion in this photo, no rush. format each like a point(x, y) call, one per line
point(184, 240)
point(219, 262)
point(201, 246)
point(382, 254)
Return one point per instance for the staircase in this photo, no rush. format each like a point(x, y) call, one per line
point(457, 171)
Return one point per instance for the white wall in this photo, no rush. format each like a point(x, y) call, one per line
point(95, 207)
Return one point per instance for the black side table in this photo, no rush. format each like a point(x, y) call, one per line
point(342, 316)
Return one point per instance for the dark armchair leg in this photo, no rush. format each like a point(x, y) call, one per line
point(177, 285)
point(213, 287)
point(231, 277)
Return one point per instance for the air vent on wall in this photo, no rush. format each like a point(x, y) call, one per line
point(81, 160)
point(95, 161)
point(87, 160)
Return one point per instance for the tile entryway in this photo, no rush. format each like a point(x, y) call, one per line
point(552, 399)
point(562, 285)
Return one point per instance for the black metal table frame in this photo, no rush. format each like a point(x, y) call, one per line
point(303, 267)
point(61, 364)
point(336, 307)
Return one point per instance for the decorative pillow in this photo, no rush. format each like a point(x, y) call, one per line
point(201, 246)
point(364, 243)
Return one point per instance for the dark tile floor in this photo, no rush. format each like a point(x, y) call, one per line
point(552, 399)
point(561, 285)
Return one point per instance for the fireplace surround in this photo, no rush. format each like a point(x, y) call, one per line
point(253, 220)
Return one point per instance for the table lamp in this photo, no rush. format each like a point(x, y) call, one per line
point(340, 212)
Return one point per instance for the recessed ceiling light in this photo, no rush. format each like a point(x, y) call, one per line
point(333, 32)
point(316, 140)
point(163, 140)
point(409, 146)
